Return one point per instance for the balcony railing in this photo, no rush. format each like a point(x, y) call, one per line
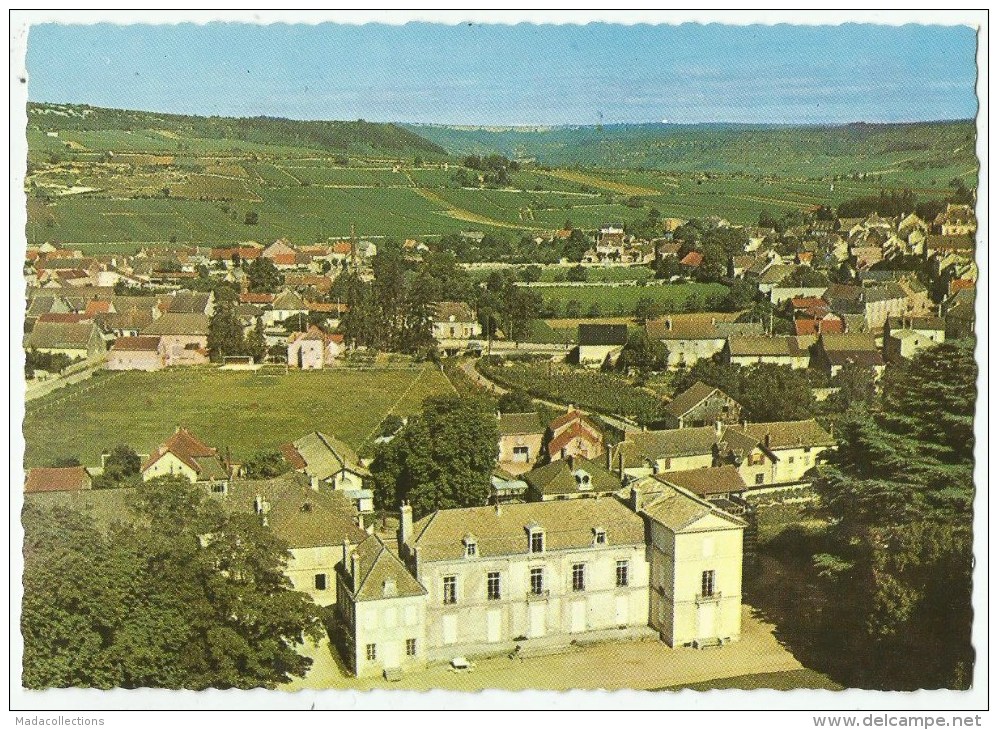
point(538, 595)
point(712, 598)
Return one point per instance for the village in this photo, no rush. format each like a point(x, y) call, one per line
point(598, 526)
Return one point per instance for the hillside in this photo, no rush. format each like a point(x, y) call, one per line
point(813, 151)
point(175, 130)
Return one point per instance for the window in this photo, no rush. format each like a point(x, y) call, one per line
point(790, 460)
point(495, 587)
point(372, 652)
point(600, 537)
point(470, 550)
point(623, 570)
point(450, 589)
point(759, 478)
point(707, 583)
point(218, 488)
point(579, 577)
point(320, 581)
point(410, 647)
point(521, 454)
point(537, 541)
point(537, 581)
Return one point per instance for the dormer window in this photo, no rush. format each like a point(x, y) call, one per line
point(536, 534)
point(389, 589)
point(599, 536)
point(470, 546)
point(583, 482)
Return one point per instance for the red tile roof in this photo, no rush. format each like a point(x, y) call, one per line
point(811, 326)
point(96, 306)
point(136, 344)
point(64, 317)
point(56, 479)
point(693, 259)
point(574, 431)
point(255, 298)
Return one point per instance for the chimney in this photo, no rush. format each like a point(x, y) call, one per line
point(635, 499)
point(313, 482)
point(571, 462)
point(405, 524)
point(766, 440)
point(354, 565)
point(668, 323)
point(346, 551)
point(360, 521)
point(498, 508)
point(609, 459)
point(713, 321)
point(258, 504)
point(718, 426)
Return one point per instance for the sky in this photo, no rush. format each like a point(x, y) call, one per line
point(476, 74)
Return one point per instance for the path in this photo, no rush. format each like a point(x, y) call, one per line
point(48, 386)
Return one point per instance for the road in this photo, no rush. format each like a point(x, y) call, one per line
point(48, 386)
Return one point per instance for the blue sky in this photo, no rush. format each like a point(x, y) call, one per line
point(522, 74)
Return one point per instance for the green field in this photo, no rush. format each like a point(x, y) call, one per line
point(621, 300)
point(242, 411)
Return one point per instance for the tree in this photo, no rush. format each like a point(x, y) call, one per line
point(899, 496)
point(775, 393)
point(266, 465)
point(264, 276)
point(516, 401)
point(121, 465)
point(256, 343)
point(252, 218)
point(646, 308)
point(225, 333)
point(643, 353)
point(443, 458)
point(805, 276)
point(180, 595)
point(573, 309)
point(741, 295)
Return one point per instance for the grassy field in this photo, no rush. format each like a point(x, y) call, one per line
point(621, 300)
point(242, 411)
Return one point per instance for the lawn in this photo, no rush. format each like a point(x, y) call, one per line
point(242, 411)
point(621, 300)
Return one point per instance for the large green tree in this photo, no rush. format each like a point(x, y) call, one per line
point(264, 276)
point(899, 496)
point(178, 595)
point(225, 333)
point(442, 458)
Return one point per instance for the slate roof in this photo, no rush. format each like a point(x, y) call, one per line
point(559, 477)
point(60, 336)
point(189, 303)
point(602, 335)
point(135, 344)
point(916, 323)
point(289, 301)
point(567, 524)
point(654, 445)
point(55, 479)
point(703, 482)
point(677, 509)
point(849, 342)
point(707, 327)
point(787, 434)
point(323, 455)
point(172, 323)
point(519, 423)
point(377, 565)
point(461, 312)
point(690, 398)
point(299, 515)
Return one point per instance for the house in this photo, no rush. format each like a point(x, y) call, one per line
point(958, 310)
point(57, 479)
point(693, 260)
point(746, 350)
point(956, 220)
point(813, 326)
point(600, 343)
point(695, 553)
point(454, 326)
point(185, 455)
point(904, 337)
point(381, 611)
point(692, 338)
point(521, 436)
point(571, 478)
point(573, 434)
point(834, 351)
point(701, 405)
point(136, 353)
point(713, 482)
point(80, 340)
point(314, 349)
point(281, 254)
point(286, 305)
point(327, 461)
point(506, 487)
point(192, 303)
point(184, 337)
point(312, 523)
point(796, 446)
point(540, 573)
point(881, 302)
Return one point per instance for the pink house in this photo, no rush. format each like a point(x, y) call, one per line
point(183, 338)
point(136, 353)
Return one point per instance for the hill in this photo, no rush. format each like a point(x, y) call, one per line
point(811, 151)
point(175, 130)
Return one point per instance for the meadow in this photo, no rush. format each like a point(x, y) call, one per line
point(244, 412)
point(621, 300)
